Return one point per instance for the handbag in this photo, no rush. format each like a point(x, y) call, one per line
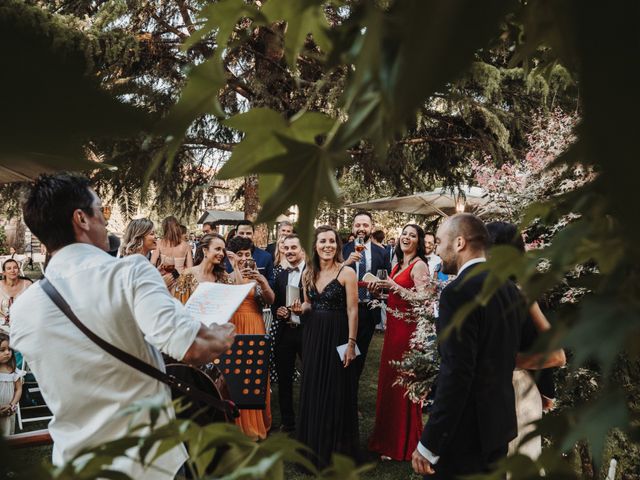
point(178, 384)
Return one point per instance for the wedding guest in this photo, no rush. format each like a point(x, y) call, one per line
point(473, 417)
point(280, 262)
point(10, 387)
point(126, 303)
point(209, 267)
point(434, 262)
point(288, 328)
point(377, 237)
point(390, 248)
point(249, 321)
point(264, 261)
point(173, 253)
point(208, 227)
point(284, 228)
point(370, 260)
point(398, 423)
point(328, 420)
point(139, 237)
point(12, 286)
point(531, 394)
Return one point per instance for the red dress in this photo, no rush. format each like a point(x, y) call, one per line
point(398, 426)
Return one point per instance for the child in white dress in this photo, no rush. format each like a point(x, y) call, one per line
point(10, 387)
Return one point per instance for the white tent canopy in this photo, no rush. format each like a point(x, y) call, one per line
point(221, 217)
point(441, 201)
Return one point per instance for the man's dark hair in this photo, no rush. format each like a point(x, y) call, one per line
point(114, 244)
point(362, 212)
point(291, 236)
point(239, 243)
point(50, 204)
point(245, 222)
point(378, 236)
point(211, 224)
point(428, 232)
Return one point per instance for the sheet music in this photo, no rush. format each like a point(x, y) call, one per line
point(215, 303)
point(293, 294)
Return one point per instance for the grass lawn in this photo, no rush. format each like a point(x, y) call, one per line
point(367, 401)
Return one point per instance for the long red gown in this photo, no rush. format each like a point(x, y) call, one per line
point(398, 420)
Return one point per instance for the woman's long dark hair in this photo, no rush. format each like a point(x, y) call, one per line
point(219, 271)
point(171, 231)
point(12, 361)
point(312, 270)
point(505, 233)
point(421, 252)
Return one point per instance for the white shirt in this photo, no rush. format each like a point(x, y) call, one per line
point(294, 281)
point(424, 451)
point(434, 261)
point(367, 255)
point(124, 301)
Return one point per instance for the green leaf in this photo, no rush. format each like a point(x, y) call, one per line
point(303, 17)
point(309, 177)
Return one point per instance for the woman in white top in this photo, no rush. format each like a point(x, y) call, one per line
point(11, 286)
point(172, 252)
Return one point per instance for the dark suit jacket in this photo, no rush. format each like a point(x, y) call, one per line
point(271, 249)
point(474, 404)
point(379, 258)
point(280, 290)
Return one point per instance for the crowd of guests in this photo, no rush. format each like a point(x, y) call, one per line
point(327, 329)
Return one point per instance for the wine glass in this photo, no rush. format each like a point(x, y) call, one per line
point(358, 247)
point(382, 274)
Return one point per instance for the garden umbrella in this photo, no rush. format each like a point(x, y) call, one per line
point(441, 201)
point(25, 167)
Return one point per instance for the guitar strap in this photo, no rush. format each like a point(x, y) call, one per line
point(227, 406)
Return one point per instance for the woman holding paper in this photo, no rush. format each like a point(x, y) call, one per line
point(329, 392)
point(398, 424)
point(248, 320)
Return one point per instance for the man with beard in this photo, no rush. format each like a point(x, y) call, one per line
point(288, 337)
point(434, 261)
point(371, 259)
point(284, 228)
point(473, 416)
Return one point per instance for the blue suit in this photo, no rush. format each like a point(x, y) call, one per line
point(367, 318)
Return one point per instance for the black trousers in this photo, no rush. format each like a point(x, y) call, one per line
point(367, 321)
point(288, 346)
point(454, 464)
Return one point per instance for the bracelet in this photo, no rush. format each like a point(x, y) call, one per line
point(352, 340)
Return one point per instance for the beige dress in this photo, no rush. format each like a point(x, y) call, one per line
point(528, 409)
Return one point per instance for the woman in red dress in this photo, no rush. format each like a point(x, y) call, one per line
point(398, 423)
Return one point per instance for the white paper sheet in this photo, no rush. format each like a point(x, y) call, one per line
point(343, 348)
point(293, 294)
point(215, 303)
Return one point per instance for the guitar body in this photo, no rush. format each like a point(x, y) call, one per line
point(209, 380)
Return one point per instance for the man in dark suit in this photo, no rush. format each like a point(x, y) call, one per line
point(372, 259)
point(264, 261)
point(288, 341)
point(284, 228)
point(473, 416)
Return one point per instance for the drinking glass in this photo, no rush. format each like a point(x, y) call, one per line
point(358, 247)
point(382, 274)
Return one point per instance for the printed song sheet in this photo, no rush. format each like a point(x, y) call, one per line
point(216, 302)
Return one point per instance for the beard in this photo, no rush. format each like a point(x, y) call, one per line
point(365, 236)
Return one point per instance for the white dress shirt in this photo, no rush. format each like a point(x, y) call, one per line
point(434, 262)
point(294, 281)
point(124, 301)
point(424, 451)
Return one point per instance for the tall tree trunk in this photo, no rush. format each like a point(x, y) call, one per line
point(252, 208)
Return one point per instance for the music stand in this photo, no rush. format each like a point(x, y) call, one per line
point(245, 367)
